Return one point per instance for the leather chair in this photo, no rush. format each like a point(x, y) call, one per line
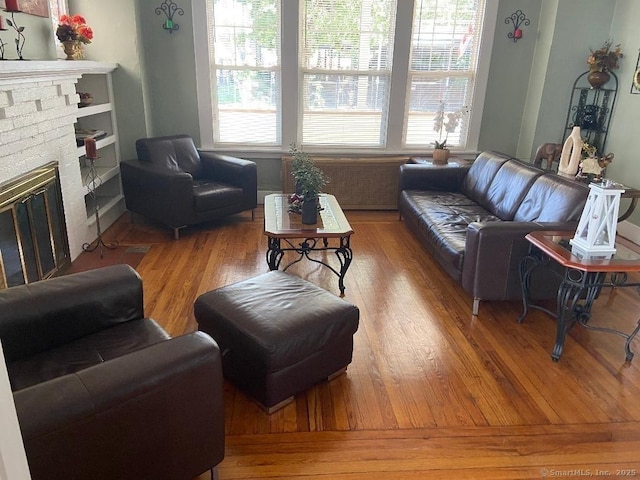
point(178, 185)
point(103, 393)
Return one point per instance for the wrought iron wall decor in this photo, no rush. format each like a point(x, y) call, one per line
point(20, 38)
point(169, 9)
point(635, 82)
point(518, 18)
point(2, 44)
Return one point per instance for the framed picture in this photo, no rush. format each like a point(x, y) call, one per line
point(32, 7)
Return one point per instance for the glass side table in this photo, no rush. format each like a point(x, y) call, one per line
point(582, 278)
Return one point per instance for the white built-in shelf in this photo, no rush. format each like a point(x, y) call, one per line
point(94, 110)
point(101, 143)
point(101, 116)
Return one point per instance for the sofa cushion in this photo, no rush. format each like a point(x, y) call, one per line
point(56, 306)
point(484, 168)
point(177, 153)
point(85, 352)
point(552, 199)
point(442, 219)
point(507, 189)
point(212, 195)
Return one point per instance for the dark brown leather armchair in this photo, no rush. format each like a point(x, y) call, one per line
point(102, 392)
point(178, 185)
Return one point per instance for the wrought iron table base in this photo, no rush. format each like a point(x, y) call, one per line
point(275, 253)
point(576, 294)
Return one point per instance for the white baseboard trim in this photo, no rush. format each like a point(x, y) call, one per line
point(629, 231)
point(264, 193)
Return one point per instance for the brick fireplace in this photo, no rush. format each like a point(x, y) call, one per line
point(38, 110)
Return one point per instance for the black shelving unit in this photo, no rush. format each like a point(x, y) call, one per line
point(590, 109)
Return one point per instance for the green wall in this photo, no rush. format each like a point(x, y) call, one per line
point(171, 80)
point(623, 139)
point(38, 33)
point(508, 79)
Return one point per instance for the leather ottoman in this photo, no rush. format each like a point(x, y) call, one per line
point(278, 334)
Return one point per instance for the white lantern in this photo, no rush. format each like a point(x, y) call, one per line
point(596, 232)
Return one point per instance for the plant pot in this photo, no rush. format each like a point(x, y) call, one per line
point(441, 156)
point(310, 211)
point(596, 78)
point(74, 50)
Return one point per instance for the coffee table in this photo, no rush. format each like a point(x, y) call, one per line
point(286, 233)
point(582, 279)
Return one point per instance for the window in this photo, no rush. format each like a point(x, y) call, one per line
point(244, 51)
point(442, 67)
point(346, 53)
point(57, 8)
point(340, 75)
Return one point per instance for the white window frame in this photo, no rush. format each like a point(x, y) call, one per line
point(63, 9)
point(290, 75)
point(219, 112)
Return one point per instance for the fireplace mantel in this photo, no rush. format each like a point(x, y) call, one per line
point(33, 69)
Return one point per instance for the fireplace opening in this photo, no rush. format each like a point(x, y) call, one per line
point(33, 235)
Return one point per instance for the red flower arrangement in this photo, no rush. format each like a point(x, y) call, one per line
point(74, 28)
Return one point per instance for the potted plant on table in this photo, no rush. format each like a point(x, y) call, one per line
point(449, 124)
point(310, 181)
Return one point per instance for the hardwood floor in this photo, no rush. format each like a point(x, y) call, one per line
point(432, 391)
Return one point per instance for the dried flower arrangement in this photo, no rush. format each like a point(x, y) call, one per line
point(605, 58)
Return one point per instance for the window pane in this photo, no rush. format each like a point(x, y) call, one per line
point(346, 56)
point(245, 59)
point(444, 52)
point(427, 95)
point(334, 113)
point(247, 106)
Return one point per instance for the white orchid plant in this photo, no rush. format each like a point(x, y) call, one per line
point(448, 122)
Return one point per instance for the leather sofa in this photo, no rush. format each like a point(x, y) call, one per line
point(103, 393)
point(176, 184)
point(473, 219)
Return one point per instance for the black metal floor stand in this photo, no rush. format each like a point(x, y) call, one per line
point(93, 182)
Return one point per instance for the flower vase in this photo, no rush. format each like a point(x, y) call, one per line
point(310, 211)
point(571, 154)
point(597, 79)
point(74, 50)
point(441, 156)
